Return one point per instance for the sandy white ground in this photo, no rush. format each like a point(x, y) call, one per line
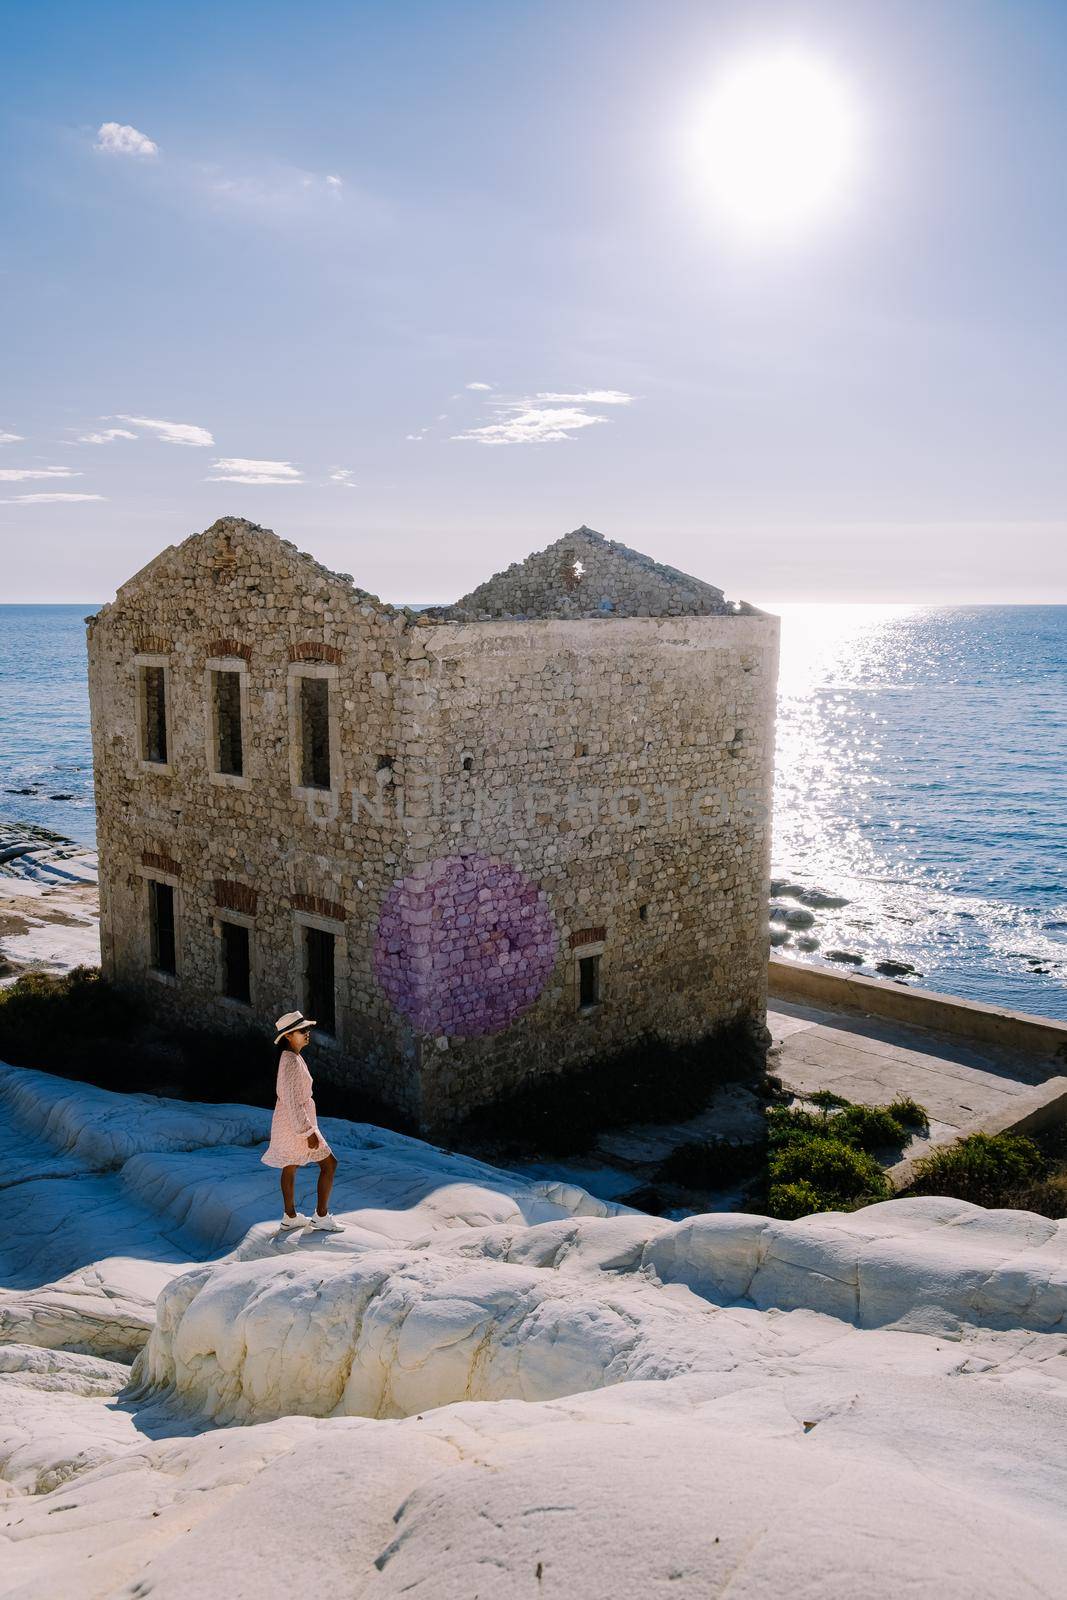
point(49, 909)
point(491, 1387)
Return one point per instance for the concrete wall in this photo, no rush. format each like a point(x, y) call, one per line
point(940, 1013)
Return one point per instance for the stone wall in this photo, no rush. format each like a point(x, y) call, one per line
point(585, 575)
point(256, 847)
point(507, 800)
point(624, 770)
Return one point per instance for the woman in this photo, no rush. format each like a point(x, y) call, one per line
point(294, 1134)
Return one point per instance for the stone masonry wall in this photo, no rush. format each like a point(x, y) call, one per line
point(622, 770)
point(257, 846)
point(506, 798)
point(585, 575)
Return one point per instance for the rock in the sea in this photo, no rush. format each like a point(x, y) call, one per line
point(792, 916)
point(785, 886)
point(894, 969)
point(849, 956)
point(779, 935)
point(818, 899)
point(799, 919)
point(807, 941)
point(61, 797)
point(821, 900)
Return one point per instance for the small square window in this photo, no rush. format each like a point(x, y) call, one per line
point(161, 927)
point(588, 982)
point(236, 962)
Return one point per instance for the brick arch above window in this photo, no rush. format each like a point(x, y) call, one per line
point(229, 647)
point(317, 905)
point(312, 650)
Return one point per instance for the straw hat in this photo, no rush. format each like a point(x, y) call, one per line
point(290, 1022)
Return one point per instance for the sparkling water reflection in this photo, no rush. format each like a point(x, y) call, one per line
point(920, 774)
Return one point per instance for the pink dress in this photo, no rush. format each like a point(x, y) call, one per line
point(294, 1117)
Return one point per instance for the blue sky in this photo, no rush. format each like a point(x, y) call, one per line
point(872, 410)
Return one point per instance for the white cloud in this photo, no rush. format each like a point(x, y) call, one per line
point(119, 139)
point(108, 435)
point(334, 181)
point(170, 432)
point(593, 397)
point(48, 499)
point(18, 474)
point(238, 469)
point(416, 438)
point(10, 438)
point(484, 386)
point(529, 424)
point(342, 475)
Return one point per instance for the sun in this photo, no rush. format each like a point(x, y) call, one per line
point(775, 142)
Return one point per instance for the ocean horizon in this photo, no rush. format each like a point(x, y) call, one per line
point(919, 778)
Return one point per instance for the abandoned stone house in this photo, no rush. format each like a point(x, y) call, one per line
point(479, 843)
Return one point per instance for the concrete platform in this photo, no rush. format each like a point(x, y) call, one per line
point(870, 1060)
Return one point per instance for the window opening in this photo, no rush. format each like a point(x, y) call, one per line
point(161, 926)
point(154, 713)
point(588, 982)
point(236, 962)
point(319, 977)
point(229, 741)
point(315, 733)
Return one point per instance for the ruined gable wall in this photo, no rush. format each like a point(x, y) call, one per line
point(238, 590)
point(661, 716)
point(615, 581)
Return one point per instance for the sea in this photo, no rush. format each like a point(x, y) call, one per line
point(921, 776)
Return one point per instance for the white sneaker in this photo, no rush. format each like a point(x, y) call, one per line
point(299, 1221)
point(326, 1224)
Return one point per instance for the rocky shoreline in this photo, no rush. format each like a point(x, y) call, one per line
point(49, 906)
point(795, 928)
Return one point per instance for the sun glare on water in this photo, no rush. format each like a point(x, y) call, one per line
point(775, 142)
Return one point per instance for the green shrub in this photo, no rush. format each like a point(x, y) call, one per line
point(787, 1201)
point(74, 1023)
point(827, 1100)
point(791, 1125)
point(832, 1168)
point(861, 1127)
point(909, 1113)
point(868, 1127)
point(989, 1169)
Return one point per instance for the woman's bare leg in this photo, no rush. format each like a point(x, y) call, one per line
point(327, 1168)
point(288, 1180)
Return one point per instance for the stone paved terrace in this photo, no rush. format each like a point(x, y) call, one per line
point(871, 1059)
